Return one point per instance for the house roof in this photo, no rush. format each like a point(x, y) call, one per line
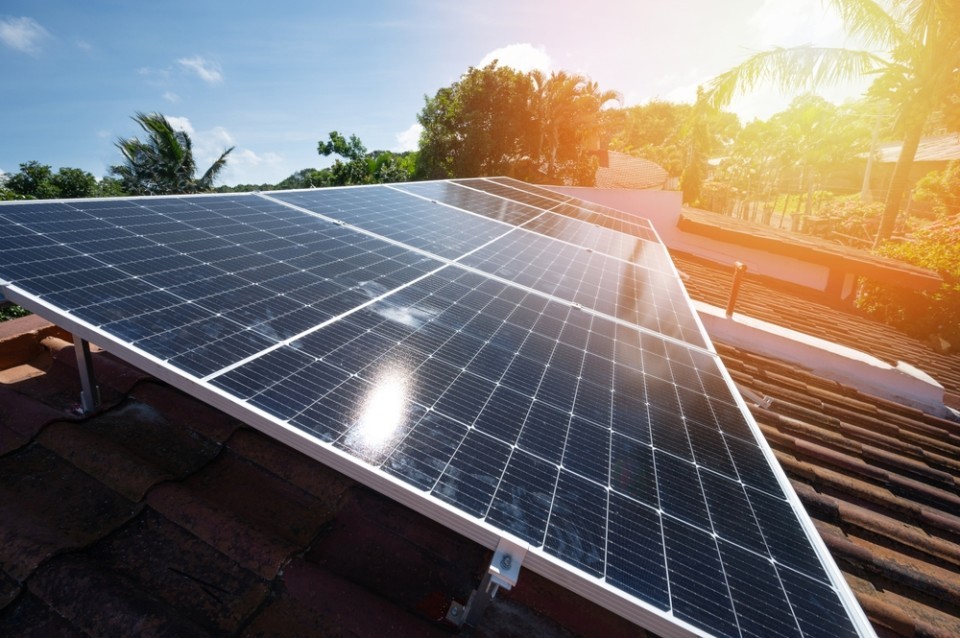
point(161, 516)
point(938, 148)
point(627, 171)
point(806, 248)
point(164, 514)
point(881, 482)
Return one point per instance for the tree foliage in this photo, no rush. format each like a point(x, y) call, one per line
point(922, 314)
point(918, 73)
point(163, 164)
point(941, 189)
point(357, 166)
point(38, 181)
point(498, 121)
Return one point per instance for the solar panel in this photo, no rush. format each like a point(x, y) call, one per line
point(483, 351)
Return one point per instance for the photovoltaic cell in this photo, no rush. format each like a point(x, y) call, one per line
point(525, 358)
point(429, 226)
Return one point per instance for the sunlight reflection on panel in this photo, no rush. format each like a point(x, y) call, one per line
point(384, 416)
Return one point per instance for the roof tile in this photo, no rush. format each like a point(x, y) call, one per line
point(130, 448)
point(31, 618)
point(21, 418)
point(153, 555)
point(101, 603)
point(48, 506)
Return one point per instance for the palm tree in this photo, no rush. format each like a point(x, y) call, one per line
point(919, 73)
point(566, 108)
point(164, 163)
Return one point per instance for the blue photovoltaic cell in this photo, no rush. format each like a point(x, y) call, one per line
point(529, 359)
point(622, 289)
point(426, 225)
point(452, 194)
point(201, 282)
point(589, 212)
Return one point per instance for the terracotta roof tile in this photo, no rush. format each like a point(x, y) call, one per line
point(101, 603)
point(49, 506)
point(627, 171)
point(164, 561)
point(21, 418)
point(31, 618)
point(881, 483)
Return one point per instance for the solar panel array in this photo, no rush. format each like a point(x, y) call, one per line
point(523, 363)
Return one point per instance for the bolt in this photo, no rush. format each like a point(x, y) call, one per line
point(454, 611)
point(506, 561)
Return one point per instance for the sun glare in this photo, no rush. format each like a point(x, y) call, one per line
point(382, 416)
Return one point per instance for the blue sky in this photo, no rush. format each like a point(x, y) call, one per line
point(272, 79)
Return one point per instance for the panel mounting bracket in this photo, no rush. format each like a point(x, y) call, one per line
point(504, 570)
point(89, 392)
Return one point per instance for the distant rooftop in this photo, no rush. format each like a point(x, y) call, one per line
point(806, 248)
point(627, 171)
point(939, 148)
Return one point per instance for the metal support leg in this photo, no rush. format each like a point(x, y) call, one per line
point(90, 394)
point(503, 572)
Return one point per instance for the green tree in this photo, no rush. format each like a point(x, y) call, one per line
point(922, 314)
point(919, 73)
point(498, 121)
point(941, 189)
point(388, 167)
point(650, 131)
point(479, 125)
point(306, 178)
point(109, 187)
point(359, 167)
point(33, 182)
point(38, 181)
point(74, 182)
point(163, 164)
point(355, 169)
point(568, 125)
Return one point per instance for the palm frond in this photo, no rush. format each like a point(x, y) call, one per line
point(790, 69)
point(869, 20)
point(206, 181)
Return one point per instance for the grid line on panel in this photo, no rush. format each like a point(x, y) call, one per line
point(498, 375)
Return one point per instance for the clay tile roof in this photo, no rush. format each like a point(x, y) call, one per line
point(886, 500)
point(627, 171)
point(162, 516)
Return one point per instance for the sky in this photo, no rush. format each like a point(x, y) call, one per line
point(273, 79)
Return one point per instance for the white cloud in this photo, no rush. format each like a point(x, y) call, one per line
point(523, 57)
point(409, 140)
point(84, 46)
point(206, 70)
point(23, 34)
point(246, 157)
point(171, 97)
point(245, 166)
point(181, 124)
